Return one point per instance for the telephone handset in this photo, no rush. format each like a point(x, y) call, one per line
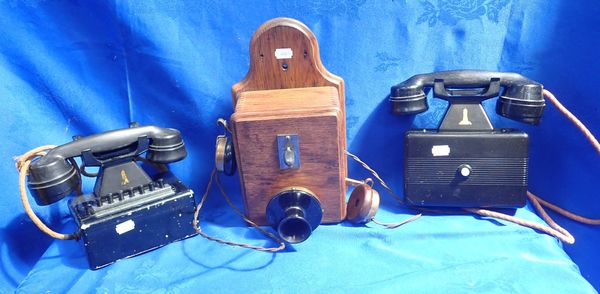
point(129, 212)
point(466, 162)
point(54, 176)
point(521, 99)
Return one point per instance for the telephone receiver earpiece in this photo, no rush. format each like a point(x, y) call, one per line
point(54, 175)
point(225, 155)
point(363, 203)
point(521, 99)
point(225, 161)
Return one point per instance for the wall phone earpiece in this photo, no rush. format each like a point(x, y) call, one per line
point(521, 100)
point(363, 203)
point(224, 152)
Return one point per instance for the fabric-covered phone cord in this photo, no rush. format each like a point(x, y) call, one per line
point(388, 189)
point(214, 176)
point(23, 163)
point(539, 203)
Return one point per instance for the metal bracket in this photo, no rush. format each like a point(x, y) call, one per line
point(288, 149)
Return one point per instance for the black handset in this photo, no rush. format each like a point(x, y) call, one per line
point(53, 176)
point(129, 211)
point(521, 99)
point(466, 162)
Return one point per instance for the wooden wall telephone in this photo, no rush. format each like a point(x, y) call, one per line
point(289, 133)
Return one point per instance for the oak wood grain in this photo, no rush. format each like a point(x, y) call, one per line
point(301, 98)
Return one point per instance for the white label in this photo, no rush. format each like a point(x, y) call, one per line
point(440, 150)
point(125, 227)
point(284, 53)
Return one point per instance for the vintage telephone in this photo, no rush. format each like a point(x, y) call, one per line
point(288, 132)
point(288, 138)
point(128, 212)
point(466, 162)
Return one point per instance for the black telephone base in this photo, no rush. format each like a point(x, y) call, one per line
point(466, 169)
point(135, 220)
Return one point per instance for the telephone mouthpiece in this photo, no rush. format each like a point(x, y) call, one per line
point(294, 213)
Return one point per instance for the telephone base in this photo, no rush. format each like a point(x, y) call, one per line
point(466, 168)
point(135, 220)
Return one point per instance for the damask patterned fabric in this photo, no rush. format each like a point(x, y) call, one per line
point(69, 68)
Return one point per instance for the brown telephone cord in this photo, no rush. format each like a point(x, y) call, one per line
point(376, 175)
point(592, 139)
point(388, 189)
point(539, 203)
point(395, 225)
point(215, 176)
point(23, 163)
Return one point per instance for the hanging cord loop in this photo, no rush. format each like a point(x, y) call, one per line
point(22, 163)
point(388, 189)
point(214, 176)
point(539, 203)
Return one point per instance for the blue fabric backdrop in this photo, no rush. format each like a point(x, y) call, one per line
point(83, 67)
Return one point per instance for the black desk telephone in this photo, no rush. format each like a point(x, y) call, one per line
point(129, 212)
point(466, 162)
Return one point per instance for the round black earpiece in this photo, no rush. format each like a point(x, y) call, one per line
point(408, 100)
point(524, 103)
point(167, 148)
point(50, 181)
point(294, 212)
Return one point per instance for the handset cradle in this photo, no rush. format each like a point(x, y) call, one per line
point(130, 210)
point(466, 162)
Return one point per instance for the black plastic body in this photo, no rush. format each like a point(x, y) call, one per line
point(498, 163)
point(521, 99)
point(53, 176)
point(135, 220)
point(294, 213)
point(466, 162)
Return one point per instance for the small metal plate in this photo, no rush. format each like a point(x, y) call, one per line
point(288, 150)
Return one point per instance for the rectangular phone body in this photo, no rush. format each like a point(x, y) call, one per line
point(126, 224)
point(313, 119)
point(466, 169)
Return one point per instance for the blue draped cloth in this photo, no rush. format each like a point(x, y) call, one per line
point(78, 68)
